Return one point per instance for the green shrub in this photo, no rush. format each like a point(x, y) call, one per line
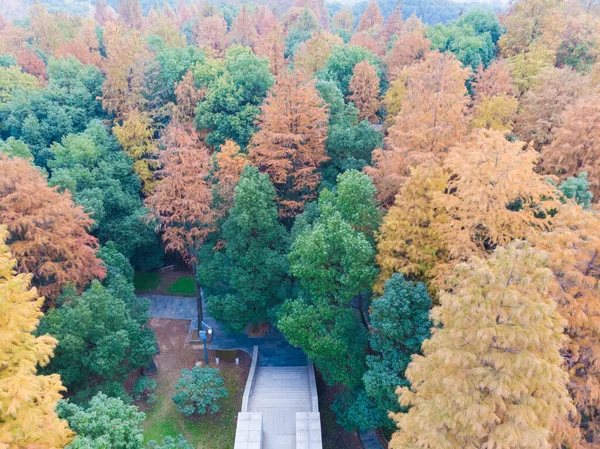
point(143, 390)
point(199, 391)
point(170, 443)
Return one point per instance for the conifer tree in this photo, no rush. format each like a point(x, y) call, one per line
point(272, 46)
point(212, 35)
point(48, 232)
point(491, 374)
point(135, 135)
point(130, 12)
point(393, 24)
point(411, 46)
point(364, 86)
point(243, 29)
point(371, 18)
point(27, 401)
point(256, 248)
point(290, 142)
point(229, 165)
point(343, 21)
point(312, 54)
point(181, 201)
point(576, 145)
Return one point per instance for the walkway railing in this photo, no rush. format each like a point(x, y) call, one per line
point(250, 381)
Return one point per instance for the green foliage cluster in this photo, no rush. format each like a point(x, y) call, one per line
point(199, 391)
point(105, 423)
point(578, 188)
point(143, 390)
point(169, 442)
point(103, 333)
point(253, 265)
point(235, 88)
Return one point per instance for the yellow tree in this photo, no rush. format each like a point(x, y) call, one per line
point(364, 88)
point(497, 112)
point(27, 401)
point(312, 54)
point(493, 195)
point(576, 144)
point(343, 21)
point(491, 375)
point(542, 107)
point(573, 248)
point(411, 46)
point(124, 65)
point(407, 241)
point(290, 142)
point(492, 81)
point(136, 137)
point(371, 18)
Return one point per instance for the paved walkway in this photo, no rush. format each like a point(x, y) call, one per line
point(274, 348)
point(369, 440)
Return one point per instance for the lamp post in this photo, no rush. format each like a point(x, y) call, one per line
point(205, 334)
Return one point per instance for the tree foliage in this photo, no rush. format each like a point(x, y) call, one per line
point(199, 391)
point(364, 86)
point(48, 232)
point(27, 401)
point(491, 373)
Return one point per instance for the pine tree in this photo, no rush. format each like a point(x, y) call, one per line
point(290, 143)
point(48, 232)
point(491, 374)
point(371, 18)
point(27, 401)
point(576, 145)
point(364, 86)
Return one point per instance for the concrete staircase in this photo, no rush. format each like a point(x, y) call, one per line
point(279, 392)
point(280, 408)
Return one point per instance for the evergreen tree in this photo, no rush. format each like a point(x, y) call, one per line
point(256, 247)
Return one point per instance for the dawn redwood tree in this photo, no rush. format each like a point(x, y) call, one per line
point(576, 144)
point(272, 46)
point(27, 401)
point(371, 18)
point(491, 375)
point(48, 232)
point(312, 54)
point(130, 12)
point(411, 46)
point(364, 86)
point(212, 35)
point(573, 248)
point(229, 165)
point(182, 198)
point(243, 29)
point(290, 142)
point(343, 21)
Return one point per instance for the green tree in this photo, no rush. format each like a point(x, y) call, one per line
point(334, 265)
point(100, 176)
point(255, 249)
point(16, 148)
point(199, 391)
point(340, 66)
point(399, 324)
point(350, 141)
point(578, 187)
point(105, 423)
point(169, 442)
point(235, 89)
point(64, 106)
point(103, 333)
point(301, 30)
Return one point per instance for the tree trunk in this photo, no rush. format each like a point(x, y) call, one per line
point(198, 291)
point(363, 318)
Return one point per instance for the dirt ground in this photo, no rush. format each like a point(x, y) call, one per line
point(210, 432)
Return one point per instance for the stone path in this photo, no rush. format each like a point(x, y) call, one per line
point(274, 348)
point(369, 440)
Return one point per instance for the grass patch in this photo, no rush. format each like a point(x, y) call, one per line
point(144, 281)
point(205, 432)
point(183, 286)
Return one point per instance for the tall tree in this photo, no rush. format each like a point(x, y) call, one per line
point(135, 135)
point(212, 35)
point(493, 195)
point(393, 23)
point(497, 351)
point(256, 247)
point(181, 201)
point(48, 233)
point(371, 18)
point(290, 142)
point(573, 247)
point(364, 86)
point(243, 29)
point(229, 165)
point(411, 46)
point(130, 12)
point(575, 147)
point(542, 107)
point(272, 46)
point(400, 323)
point(313, 53)
point(408, 242)
point(27, 401)
point(343, 22)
